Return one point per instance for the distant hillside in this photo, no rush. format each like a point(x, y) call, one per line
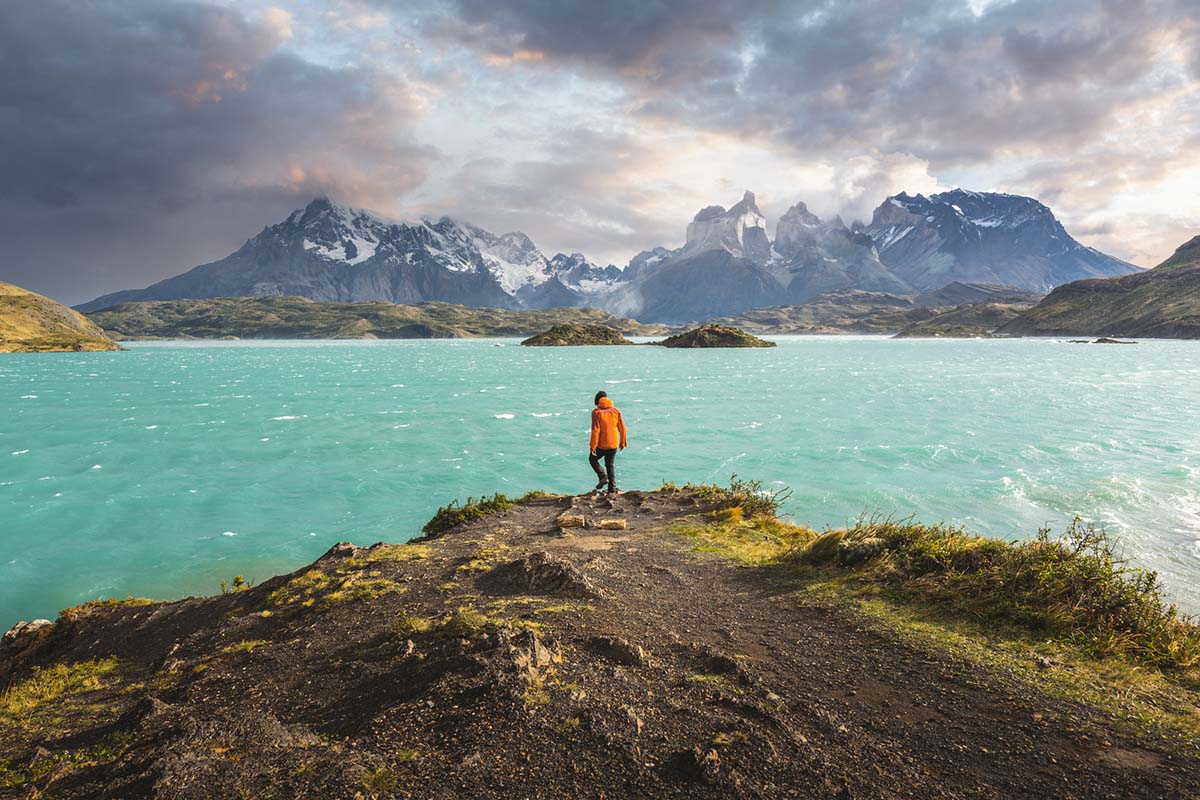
point(31, 323)
point(957, 293)
point(845, 311)
point(966, 321)
point(1161, 302)
point(301, 318)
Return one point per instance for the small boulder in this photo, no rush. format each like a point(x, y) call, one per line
point(23, 634)
point(618, 651)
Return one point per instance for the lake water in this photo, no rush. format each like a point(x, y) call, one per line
point(161, 470)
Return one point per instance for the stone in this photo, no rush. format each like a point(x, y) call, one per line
point(618, 651)
point(23, 634)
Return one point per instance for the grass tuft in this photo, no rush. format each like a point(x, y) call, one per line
point(452, 515)
point(50, 685)
point(749, 496)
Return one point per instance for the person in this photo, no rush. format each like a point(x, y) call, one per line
point(608, 436)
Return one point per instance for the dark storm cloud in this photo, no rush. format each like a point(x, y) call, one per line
point(929, 78)
point(139, 136)
point(676, 41)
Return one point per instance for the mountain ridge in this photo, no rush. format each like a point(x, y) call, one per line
point(727, 265)
point(1163, 302)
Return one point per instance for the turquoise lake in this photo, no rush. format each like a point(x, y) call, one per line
point(161, 470)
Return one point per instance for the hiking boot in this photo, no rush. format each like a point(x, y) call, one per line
point(613, 490)
point(600, 485)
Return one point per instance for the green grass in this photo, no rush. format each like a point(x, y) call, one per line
point(108, 749)
point(1115, 643)
point(454, 514)
point(97, 606)
point(389, 554)
point(245, 646)
point(316, 586)
point(48, 688)
point(749, 496)
point(1076, 587)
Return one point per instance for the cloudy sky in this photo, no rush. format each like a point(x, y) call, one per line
point(139, 138)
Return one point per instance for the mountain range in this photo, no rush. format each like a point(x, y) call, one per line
point(728, 263)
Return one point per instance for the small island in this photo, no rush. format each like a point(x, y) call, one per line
point(572, 334)
point(715, 336)
point(31, 323)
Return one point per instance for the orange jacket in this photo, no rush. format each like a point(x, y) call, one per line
point(608, 429)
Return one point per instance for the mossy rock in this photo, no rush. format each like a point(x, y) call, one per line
point(572, 334)
point(715, 336)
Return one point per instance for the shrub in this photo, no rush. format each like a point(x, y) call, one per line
point(754, 500)
point(452, 515)
point(1078, 585)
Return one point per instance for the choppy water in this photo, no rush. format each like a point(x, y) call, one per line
point(162, 470)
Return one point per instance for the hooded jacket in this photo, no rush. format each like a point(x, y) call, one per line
point(608, 429)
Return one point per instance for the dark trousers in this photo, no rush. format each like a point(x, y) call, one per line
point(608, 456)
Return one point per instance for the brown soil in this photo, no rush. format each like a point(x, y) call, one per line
point(610, 664)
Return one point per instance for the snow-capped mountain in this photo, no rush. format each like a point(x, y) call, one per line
point(982, 237)
point(330, 252)
point(741, 231)
point(727, 265)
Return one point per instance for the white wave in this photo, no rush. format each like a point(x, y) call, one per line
point(20, 452)
point(279, 419)
point(97, 466)
point(29, 397)
point(199, 405)
point(504, 416)
point(229, 533)
point(151, 427)
point(265, 439)
point(627, 380)
point(397, 427)
point(542, 415)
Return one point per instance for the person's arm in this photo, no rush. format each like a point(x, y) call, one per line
point(621, 428)
point(595, 431)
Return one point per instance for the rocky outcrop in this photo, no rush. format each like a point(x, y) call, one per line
point(31, 323)
point(506, 660)
point(571, 334)
point(714, 336)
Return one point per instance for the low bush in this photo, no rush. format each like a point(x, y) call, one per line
point(1078, 585)
point(453, 514)
point(750, 496)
